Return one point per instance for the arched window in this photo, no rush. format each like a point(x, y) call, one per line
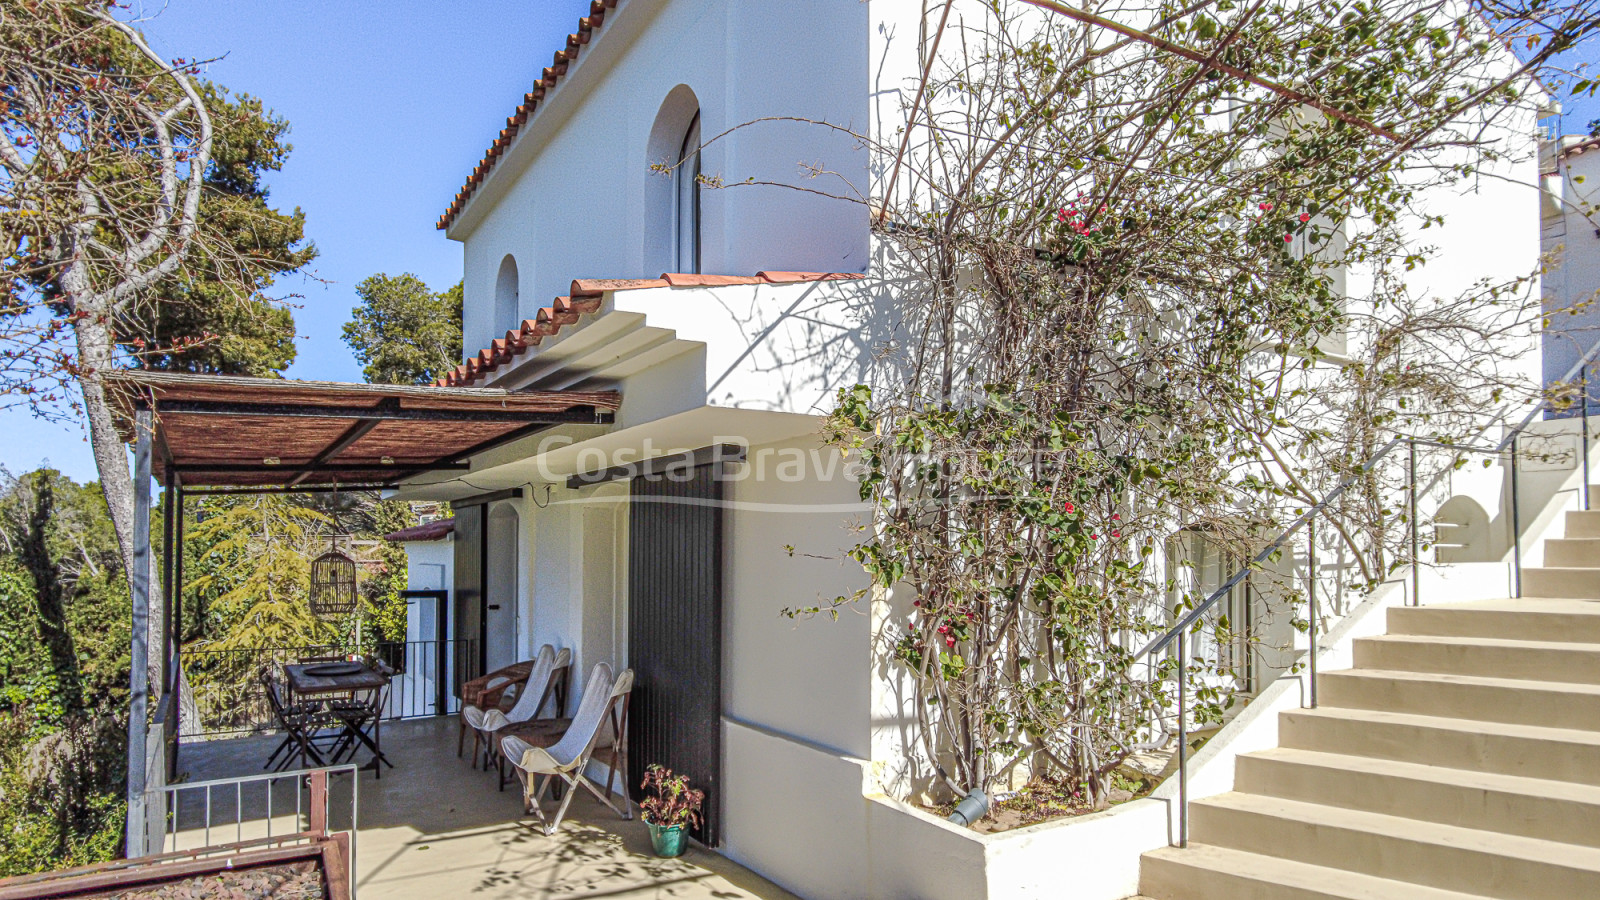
point(506, 288)
point(686, 199)
point(672, 195)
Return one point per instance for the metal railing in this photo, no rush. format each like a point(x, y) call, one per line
point(1178, 633)
point(279, 806)
point(227, 691)
point(195, 818)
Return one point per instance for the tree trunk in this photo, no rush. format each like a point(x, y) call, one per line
point(96, 354)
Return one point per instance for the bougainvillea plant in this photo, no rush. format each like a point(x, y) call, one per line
point(1142, 294)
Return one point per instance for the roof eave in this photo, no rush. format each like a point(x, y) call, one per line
point(511, 148)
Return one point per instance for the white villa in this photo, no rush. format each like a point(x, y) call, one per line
point(677, 223)
point(727, 319)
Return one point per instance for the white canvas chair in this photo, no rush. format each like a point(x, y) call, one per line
point(533, 692)
point(545, 681)
point(602, 715)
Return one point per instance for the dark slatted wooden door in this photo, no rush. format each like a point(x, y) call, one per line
point(675, 631)
point(468, 589)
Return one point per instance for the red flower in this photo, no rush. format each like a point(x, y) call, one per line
point(1094, 537)
point(1116, 517)
point(1288, 238)
point(1305, 217)
point(1116, 534)
point(1266, 207)
point(1068, 508)
point(949, 642)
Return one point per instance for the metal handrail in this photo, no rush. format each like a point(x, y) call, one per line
point(1579, 370)
point(314, 810)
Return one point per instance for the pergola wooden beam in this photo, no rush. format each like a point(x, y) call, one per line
point(382, 412)
point(229, 431)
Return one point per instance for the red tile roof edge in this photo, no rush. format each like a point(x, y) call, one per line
point(427, 531)
point(584, 297)
point(587, 26)
point(1580, 147)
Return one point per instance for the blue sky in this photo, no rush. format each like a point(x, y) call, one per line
point(390, 105)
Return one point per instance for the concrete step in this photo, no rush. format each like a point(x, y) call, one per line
point(1528, 619)
point(1583, 523)
point(1505, 804)
point(1561, 581)
point(1489, 657)
point(1554, 704)
point(1557, 754)
point(1401, 849)
point(1203, 872)
point(1581, 553)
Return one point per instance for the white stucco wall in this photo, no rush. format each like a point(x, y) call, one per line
point(572, 197)
point(787, 526)
point(430, 565)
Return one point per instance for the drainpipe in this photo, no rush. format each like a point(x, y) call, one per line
point(974, 806)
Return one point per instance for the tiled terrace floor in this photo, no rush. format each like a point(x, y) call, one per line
point(433, 827)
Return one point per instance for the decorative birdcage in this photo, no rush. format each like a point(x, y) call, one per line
point(333, 584)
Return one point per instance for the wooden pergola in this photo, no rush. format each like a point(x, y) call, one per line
point(214, 434)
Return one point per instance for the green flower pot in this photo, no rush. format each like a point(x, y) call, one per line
point(669, 841)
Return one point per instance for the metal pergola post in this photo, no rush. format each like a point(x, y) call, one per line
point(139, 654)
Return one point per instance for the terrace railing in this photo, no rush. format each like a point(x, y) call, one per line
point(257, 812)
point(227, 692)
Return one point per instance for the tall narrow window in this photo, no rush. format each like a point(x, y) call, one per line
point(672, 198)
point(1198, 566)
point(686, 199)
point(507, 287)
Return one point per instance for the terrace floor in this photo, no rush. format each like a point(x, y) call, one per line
point(435, 827)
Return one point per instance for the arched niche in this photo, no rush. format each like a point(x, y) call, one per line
point(507, 290)
point(1462, 533)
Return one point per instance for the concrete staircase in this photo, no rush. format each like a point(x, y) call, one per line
point(1459, 759)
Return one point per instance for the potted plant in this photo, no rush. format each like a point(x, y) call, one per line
point(668, 809)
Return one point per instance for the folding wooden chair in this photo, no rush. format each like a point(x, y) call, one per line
point(362, 719)
point(299, 727)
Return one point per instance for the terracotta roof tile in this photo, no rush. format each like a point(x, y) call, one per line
point(594, 287)
point(587, 26)
point(427, 531)
point(1580, 147)
point(585, 298)
point(686, 280)
point(791, 277)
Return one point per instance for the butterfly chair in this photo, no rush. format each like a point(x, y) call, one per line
point(546, 680)
point(532, 688)
point(604, 705)
point(487, 692)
